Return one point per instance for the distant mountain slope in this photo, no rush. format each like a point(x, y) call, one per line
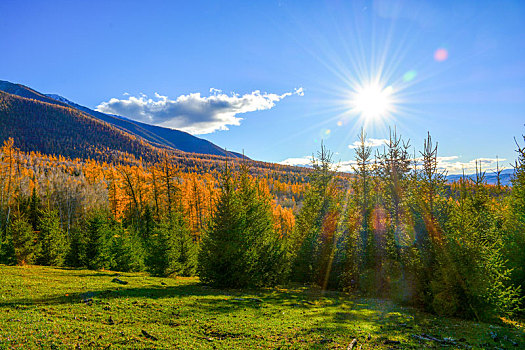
point(24, 91)
point(51, 128)
point(164, 136)
point(59, 129)
point(490, 177)
point(156, 135)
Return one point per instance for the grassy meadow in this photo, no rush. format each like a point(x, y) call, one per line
point(55, 308)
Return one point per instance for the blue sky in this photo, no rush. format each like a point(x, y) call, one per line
point(284, 71)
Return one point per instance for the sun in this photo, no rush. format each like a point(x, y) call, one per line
point(373, 101)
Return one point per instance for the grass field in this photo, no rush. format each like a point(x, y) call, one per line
point(51, 308)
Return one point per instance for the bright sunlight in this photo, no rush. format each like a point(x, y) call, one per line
point(373, 101)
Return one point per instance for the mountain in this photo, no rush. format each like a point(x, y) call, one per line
point(60, 99)
point(50, 128)
point(490, 177)
point(24, 91)
point(156, 135)
point(44, 125)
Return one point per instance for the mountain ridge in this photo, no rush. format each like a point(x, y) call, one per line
point(490, 177)
point(156, 135)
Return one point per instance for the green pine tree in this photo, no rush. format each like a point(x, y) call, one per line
point(314, 238)
point(514, 250)
point(76, 253)
point(126, 250)
point(471, 278)
point(25, 241)
point(52, 239)
point(264, 248)
point(185, 249)
point(7, 249)
point(221, 258)
point(98, 233)
point(241, 247)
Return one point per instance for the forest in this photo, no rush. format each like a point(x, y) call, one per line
point(395, 228)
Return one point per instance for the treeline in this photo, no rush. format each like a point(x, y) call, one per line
point(400, 231)
point(394, 229)
point(69, 132)
point(91, 214)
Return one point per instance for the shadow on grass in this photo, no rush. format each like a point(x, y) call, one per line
point(206, 299)
point(82, 272)
point(335, 313)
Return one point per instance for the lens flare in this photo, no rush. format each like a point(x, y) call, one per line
point(441, 55)
point(371, 81)
point(409, 76)
point(324, 133)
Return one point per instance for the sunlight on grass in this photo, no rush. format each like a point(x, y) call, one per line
point(86, 308)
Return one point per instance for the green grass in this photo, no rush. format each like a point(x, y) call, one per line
point(49, 308)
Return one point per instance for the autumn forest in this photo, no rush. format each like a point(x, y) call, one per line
point(395, 228)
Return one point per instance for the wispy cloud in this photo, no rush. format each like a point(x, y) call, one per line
point(300, 161)
point(194, 113)
point(306, 161)
point(369, 143)
point(450, 164)
point(346, 166)
point(453, 166)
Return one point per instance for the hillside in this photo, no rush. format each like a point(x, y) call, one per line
point(157, 136)
point(490, 177)
point(58, 129)
point(48, 128)
point(24, 91)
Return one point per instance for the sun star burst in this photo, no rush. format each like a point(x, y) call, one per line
point(373, 101)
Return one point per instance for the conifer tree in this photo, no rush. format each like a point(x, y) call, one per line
point(7, 249)
point(185, 248)
point(432, 186)
point(159, 246)
point(35, 209)
point(360, 241)
point(126, 250)
point(170, 249)
point(222, 260)
point(472, 279)
point(98, 234)
point(241, 247)
point(393, 169)
point(313, 240)
point(515, 240)
point(76, 253)
point(429, 213)
point(264, 248)
point(25, 242)
point(393, 172)
point(52, 239)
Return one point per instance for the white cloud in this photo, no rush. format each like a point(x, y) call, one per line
point(449, 163)
point(369, 143)
point(302, 161)
point(346, 166)
point(306, 161)
point(193, 113)
point(454, 167)
point(446, 159)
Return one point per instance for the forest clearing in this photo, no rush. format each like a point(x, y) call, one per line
point(54, 308)
point(262, 175)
